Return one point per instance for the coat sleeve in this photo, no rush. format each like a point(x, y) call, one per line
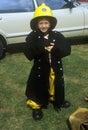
point(32, 49)
point(28, 48)
point(62, 48)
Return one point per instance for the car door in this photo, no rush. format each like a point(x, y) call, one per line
point(70, 21)
point(70, 18)
point(15, 16)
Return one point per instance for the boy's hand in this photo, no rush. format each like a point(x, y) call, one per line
point(49, 48)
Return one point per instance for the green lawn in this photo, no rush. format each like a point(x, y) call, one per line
point(14, 71)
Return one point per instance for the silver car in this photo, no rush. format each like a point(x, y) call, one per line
point(15, 16)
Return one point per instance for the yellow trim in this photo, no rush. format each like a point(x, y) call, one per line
point(33, 104)
point(51, 82)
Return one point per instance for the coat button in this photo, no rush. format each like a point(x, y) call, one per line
point(39, 60)
point(58, 62)
point(39, 37)
point(60, 68)
point(39, 68)
point(39, 75)
point(53, 40)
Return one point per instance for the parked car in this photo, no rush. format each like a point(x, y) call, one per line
point(15, 16)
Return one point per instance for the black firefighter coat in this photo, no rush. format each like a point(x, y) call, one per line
point(38, 81)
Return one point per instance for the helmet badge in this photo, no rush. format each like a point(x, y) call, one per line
point(44, 9)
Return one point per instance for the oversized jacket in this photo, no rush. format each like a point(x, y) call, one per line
point(38, 81)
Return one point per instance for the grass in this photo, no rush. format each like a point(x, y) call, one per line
point(14, 71)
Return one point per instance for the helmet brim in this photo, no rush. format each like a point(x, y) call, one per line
point(34, 21)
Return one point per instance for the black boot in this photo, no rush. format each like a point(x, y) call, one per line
point(37, 114)
point(66, 104)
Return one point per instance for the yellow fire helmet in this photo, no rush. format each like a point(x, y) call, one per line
point(40, 12)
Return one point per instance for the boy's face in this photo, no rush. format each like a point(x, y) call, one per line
point(43, 25)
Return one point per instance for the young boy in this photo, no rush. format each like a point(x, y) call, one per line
point(46, 48)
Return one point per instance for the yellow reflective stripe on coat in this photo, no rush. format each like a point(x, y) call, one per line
point(33, 104)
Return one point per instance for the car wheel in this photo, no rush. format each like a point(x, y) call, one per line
point(2, 52)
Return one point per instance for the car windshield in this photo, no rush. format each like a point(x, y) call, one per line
point(16, 6)
point(53, 4)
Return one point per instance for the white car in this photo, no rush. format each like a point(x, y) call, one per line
point(15, 16)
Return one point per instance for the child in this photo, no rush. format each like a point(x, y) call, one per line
point(46, 47)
